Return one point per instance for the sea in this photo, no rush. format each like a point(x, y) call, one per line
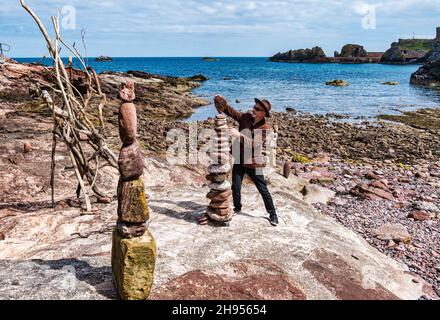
point(300, 86)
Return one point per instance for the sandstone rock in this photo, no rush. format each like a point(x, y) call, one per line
point(216, 177)
point(225, 185)
point(338, 83)
point(219, 204)
point(317, 194)
point(371, 192)
point(420, 215)
point(219, 158)
point(221, 215)
point(131, 162)
point(372, 176)
point(105, 200)
point(219, 168)
point(132, 201)
point(429, 207)
point(127, 123)
point(133, 264)
point(393, 231)
point(219, 195)
point(286, 170)
point(220, 128)
point(127, 94)
point(27, 147)
point(131, 230)
point(240, 280)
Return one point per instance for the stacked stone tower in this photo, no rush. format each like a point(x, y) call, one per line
point(219, 209)
point(134, 248)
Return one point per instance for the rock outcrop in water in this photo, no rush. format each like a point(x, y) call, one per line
point(352, 51)
point(429, 74)
point(315, 54)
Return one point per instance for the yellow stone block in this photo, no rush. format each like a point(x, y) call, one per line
point(133, 262)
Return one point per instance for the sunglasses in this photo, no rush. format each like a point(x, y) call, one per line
point(258, 109)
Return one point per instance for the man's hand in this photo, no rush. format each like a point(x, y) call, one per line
point(220, 103)
point(232, 132)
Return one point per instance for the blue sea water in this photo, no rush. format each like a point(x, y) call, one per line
point(297, 85)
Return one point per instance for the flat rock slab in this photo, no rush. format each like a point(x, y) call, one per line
point(318, 256)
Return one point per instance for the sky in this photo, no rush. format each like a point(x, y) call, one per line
point(185, 28)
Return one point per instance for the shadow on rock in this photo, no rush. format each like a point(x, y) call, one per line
point(98, 277)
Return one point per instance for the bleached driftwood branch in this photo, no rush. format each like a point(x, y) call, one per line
point(71, 119)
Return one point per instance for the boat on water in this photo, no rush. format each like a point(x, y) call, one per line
point(103, 58)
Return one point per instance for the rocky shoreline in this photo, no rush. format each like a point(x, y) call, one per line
point(384, 177)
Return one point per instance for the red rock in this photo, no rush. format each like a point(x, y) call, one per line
point(222, 204)
point(380, 185)
point(203, 220)
point(371, 192)
point(27, 147)
point(2, 237)
point(404, 180)
point(382, 193)
point(127, 94)
point(104, 200)
point(216, 177)
point(286, 170)
point(219, 195)
point(131, 163)
point(131, 230)
point(127, 123)
point(420, 215)
point(221, 215)
point(251, 280)
point(371, 176)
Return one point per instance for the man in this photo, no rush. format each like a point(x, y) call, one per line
point(252, 136)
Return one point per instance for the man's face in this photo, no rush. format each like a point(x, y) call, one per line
point(258, 112)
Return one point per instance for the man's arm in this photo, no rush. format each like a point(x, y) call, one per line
point(223, 106)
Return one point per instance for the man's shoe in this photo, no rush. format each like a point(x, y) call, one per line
point(236, 211)
point(274, 220)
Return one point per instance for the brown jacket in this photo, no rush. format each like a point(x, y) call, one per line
point(253, 139)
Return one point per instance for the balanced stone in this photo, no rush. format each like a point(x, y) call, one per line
point(223, 186)
point(214, 214)
point(132, 204)
point(223, 127)
point(223, 204)
point(127, 123)
point(131, 162)
point(133, 262)
point(131, 230)
point(127, 94)
point(219, 168)
point(216, 177)
point(219, 195)
point(220, 158)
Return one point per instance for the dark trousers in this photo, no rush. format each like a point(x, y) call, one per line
point(238, 173)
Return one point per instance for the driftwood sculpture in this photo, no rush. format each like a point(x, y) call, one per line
point(70, 117)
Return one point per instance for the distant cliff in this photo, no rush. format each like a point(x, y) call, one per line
point(407, 51)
